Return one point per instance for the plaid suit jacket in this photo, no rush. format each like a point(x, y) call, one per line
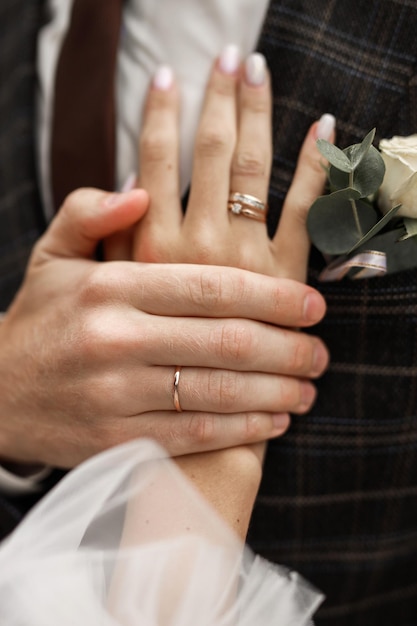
point(338, 500)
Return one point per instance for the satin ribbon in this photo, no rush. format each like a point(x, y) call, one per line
point(369, 263)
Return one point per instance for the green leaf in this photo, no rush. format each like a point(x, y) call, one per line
point(359, 150)
point(410, 226)
point(376, 228)
point(367, 177)
point(334, 155)
point(331, 221)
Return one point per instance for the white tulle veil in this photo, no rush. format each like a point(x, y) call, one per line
point(126, 540)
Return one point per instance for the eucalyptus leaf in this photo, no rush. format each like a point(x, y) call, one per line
point(334, 155)
point(367, 177)
point(376, 228)
point(332, 225)
point(358, 151)
point(410, 226)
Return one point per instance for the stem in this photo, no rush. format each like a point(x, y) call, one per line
point(355, 208)
point(356, 216)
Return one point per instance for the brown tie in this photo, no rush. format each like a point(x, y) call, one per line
point(83, 128)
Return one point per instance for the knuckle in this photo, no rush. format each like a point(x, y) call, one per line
point(206, 289)
point(109, 433)
point(233, 341)
point(248, 258)
point(101, 339)
point(222, 85)
point(301, 356)
point(224, 386)
point(218, 290)
point(286, 293)
point(155, 145)
point(152, 246)
point(251, 427)
point(315, 163)
point(103, 283)
point(257, 102)
point(290, 393)
point(213, 141)
point(201, 429)
point(159, 100)
point(91, 337)
point(251, 163)
point(95, 287)
point(202, 249)
point(71, 202)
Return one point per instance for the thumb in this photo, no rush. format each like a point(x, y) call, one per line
point(86, 217)
point(291, 242)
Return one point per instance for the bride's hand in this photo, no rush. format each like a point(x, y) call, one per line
point(233, 153)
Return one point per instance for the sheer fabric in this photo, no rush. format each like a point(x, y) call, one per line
point(126, 540)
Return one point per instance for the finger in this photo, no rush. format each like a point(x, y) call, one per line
point(86, 217)
point(215, 142)
point(291, 241)
point(212, 291)
point(239, 345)
point(119, 247)
point(159, 151)
point(211, 390)
point(189, 432)
point(252, 158)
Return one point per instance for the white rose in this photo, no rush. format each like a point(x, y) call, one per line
point(400, 180)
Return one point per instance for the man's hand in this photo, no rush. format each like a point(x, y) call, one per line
point(88, 349)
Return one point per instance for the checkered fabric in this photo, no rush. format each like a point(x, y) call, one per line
point(339, 497)
point(21, 220)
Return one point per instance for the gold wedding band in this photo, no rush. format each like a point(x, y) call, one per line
point(177, 404)
point(248, 206)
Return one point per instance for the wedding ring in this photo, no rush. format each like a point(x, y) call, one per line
point(177, 404)
point(248, 206)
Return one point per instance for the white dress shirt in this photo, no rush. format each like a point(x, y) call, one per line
point(187, 35)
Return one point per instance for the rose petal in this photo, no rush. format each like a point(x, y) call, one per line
point(407, 196)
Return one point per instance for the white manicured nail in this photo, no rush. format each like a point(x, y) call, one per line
point(130, 183)
point(164, 78)
point(229, 60)
point(326, 126)
point(255, 68)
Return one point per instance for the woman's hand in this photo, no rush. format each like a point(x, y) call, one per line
point(233, 153)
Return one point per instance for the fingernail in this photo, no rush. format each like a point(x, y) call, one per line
point(280, 421)
point(314, 307)
point(114, 199)
point(326, 126)
point(255, 69)
point(130, 183)
point(229, 60)
point(308, 395)
point(164, 78)
point(320, 359)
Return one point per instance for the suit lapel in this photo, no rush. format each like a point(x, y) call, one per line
point(20, 211)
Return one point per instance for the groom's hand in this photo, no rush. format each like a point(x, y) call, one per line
point(88, 349)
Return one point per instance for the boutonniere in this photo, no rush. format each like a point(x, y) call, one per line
point(367, 224)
